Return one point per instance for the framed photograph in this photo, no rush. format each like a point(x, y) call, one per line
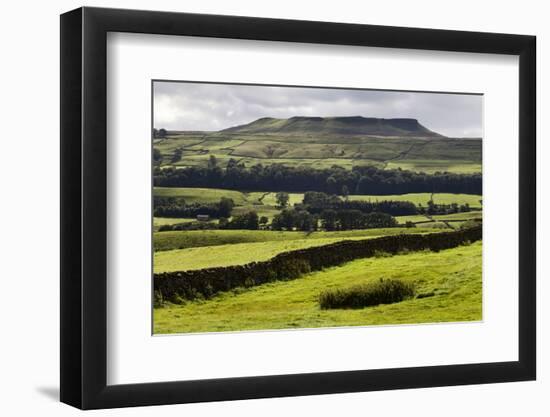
point(258, 208)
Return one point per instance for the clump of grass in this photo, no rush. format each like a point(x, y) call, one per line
point(384, 291)
point(158, 300)
point(426, 295)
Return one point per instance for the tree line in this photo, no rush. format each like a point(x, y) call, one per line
point(176, 207)
point(334, 180)
point(316, 202)
point(330, 220)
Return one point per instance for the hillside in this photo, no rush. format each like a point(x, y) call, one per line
point(354, 125)
point(323, 142)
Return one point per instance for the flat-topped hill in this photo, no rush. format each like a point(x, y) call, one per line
point(353, 125)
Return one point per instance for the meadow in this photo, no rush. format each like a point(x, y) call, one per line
point(449, 290)
point(259, 246)
point(323, 150)
point(197, 238)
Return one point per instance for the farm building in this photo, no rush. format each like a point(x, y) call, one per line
point(203, 217)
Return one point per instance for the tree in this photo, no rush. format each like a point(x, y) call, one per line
point(282, 199)
point(331, 185)
point(275, 178)
point(350, 219)
point(212, 162)
point(263, 220)
point(328, 219)
point(379, 220)
point(157, 156)
point(305, 221)
point(286, 219)
point(245, 221)
point(162, 133)
point(177, 155)
point(226, 206)
point(345, 191)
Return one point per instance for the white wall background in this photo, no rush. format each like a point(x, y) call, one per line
point(29, 217)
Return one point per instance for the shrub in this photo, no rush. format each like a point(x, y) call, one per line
point(384, 291)
point(469, 224)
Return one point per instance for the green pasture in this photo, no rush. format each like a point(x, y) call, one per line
point(430, 166)
point(451, 279)
point(322, 150)
point(422, 198)
point(415, 218)
point(470, 215)
point(242, 253)
point(162, 221)
point(200, 195)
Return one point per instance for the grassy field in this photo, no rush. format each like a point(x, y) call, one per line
point(324, 150)
point(441, 221)
point(161, 221)
point(471, 215)
point(200, 195)
point(198, 238)
point(201, 257)
point(453, 276)
point(415, 218)
point(423, 198)
point(430, 166)
point(271, 198)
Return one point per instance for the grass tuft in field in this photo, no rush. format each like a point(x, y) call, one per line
point(384, 291)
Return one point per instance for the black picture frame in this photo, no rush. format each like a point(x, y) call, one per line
point(84, 207)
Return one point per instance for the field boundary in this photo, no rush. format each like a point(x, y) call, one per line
point(204, 283)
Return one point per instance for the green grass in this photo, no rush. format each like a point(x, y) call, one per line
point(237, 253)
point(453, 276)
point(200, 195)
point(422, 198)
point(267, 211)
point(438, 165)
point(200, 257)
point(321, 150)
point(161, 221)
point(415, 218)
point(471, 215)
point(231, 254)
point(435, 225)
point(271, 198)
point(164, 241)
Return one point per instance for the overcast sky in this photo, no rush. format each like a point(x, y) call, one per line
point(199, 106)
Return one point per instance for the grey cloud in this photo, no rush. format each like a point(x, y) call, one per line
point(200, 106)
